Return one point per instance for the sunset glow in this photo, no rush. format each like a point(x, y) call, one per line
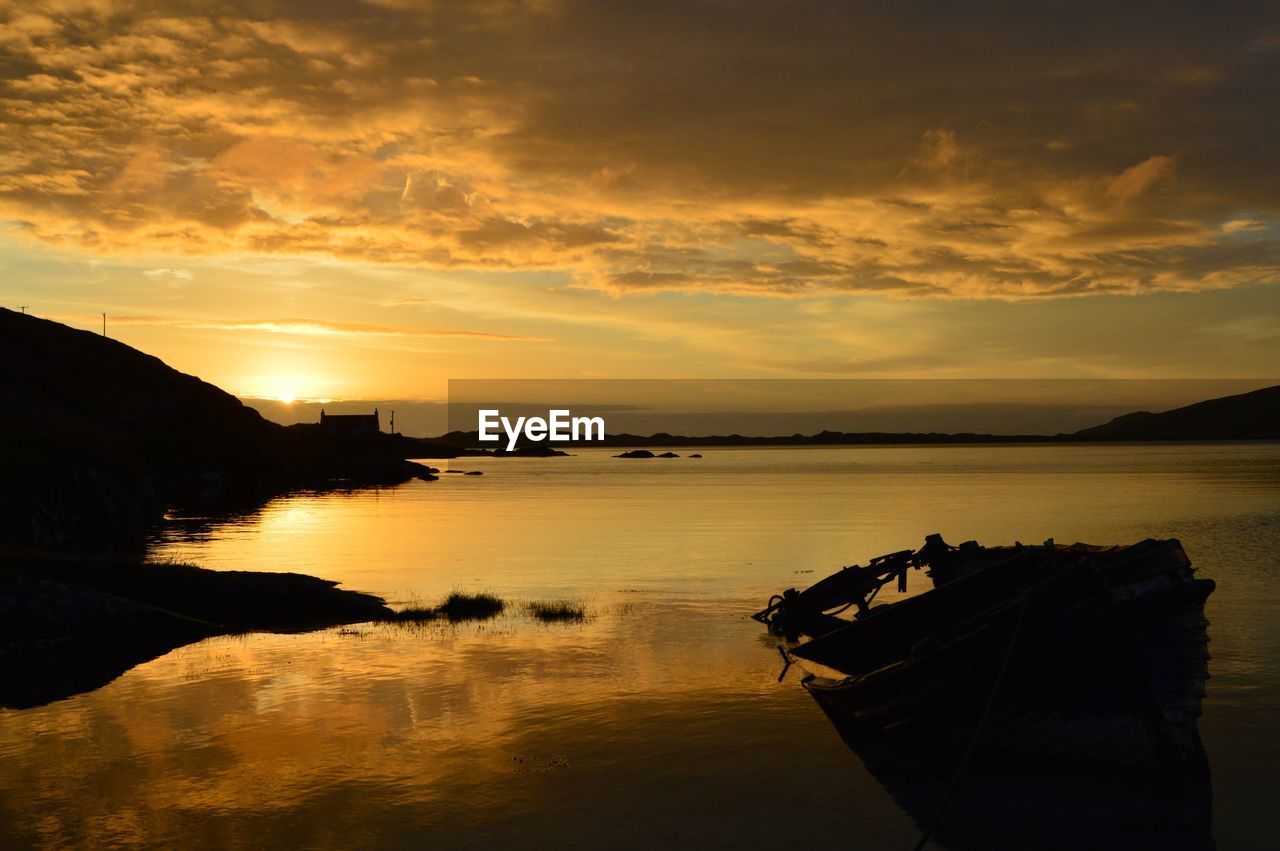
point(395, 194)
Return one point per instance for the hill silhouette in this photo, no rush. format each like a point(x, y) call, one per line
point(1246, 416)
point(103, 438)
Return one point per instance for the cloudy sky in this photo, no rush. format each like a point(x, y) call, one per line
point(365, 199)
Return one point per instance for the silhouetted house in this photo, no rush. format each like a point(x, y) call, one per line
point(350, 423)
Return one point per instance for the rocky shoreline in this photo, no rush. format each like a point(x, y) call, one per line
point(103, 439)
point(70, 624)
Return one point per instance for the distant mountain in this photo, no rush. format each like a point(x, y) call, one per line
point(1247, 416)
point(101, 438)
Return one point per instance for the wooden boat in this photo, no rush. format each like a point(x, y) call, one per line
point(1081, 653)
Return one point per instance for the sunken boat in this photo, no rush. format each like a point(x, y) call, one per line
point(1080, 653)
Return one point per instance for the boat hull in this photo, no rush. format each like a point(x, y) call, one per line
point(1103, 663)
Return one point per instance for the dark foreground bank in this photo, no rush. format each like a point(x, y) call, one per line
point(70, 624)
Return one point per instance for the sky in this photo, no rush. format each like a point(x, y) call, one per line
point(363, 200)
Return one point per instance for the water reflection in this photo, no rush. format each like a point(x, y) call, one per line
point(1010, 806)
point(42, 671)
point(205, 523)
point(506, 733)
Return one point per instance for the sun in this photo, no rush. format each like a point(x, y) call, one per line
point(284, 388)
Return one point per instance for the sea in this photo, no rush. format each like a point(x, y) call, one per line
point(659, 719)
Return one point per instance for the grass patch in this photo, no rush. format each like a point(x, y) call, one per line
point(416, 614)
point(460, 606)
point(557, 611)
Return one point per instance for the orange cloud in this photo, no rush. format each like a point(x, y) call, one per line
point(854, 155)
point(1141, 178)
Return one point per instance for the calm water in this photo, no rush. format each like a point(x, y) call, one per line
point(659, 720)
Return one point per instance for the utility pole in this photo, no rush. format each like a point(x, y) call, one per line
point(393, 422)
point(23, 307)
point(104, 324)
